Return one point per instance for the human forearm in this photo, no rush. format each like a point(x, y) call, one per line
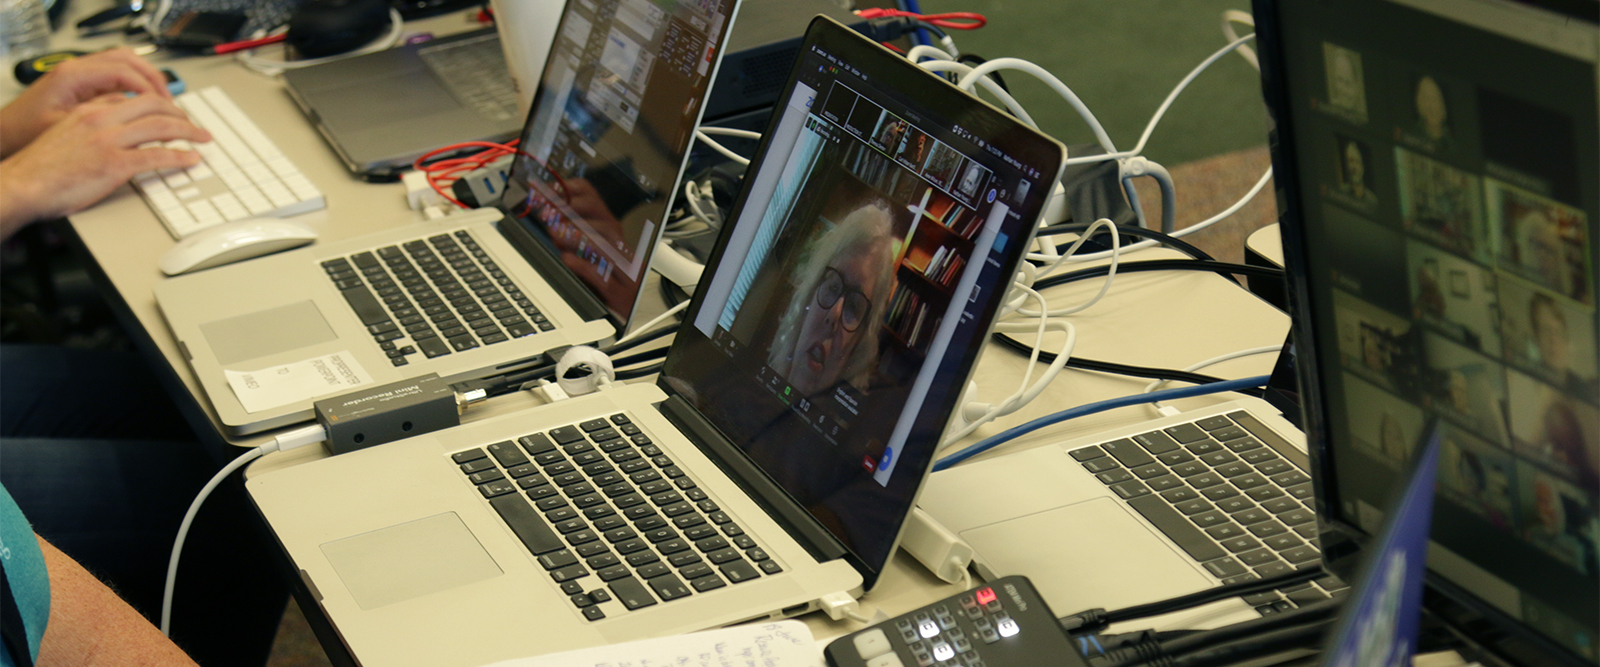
point(89, 625)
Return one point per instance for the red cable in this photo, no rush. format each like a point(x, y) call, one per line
point(443, 172)
point(230, 47)
point(947, 20)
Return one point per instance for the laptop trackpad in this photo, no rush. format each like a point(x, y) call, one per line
point(410, 560)
point(266, 332)
point(1087, 555)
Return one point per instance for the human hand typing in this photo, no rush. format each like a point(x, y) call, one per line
point(88, 153)
point(53, 96)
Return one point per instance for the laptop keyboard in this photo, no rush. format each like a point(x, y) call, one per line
point(434, 296)
point(242, 173)
point(475, 72)
point(611, 518)
point(1230, 501)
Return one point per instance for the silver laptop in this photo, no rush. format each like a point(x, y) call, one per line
point(559, 262)
point(381, 111)
point(776, 458)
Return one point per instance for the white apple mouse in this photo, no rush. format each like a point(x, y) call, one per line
point(233, 241)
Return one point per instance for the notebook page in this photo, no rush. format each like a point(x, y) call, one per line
point(780, 644)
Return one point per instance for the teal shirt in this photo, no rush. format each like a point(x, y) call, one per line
point(27, 580)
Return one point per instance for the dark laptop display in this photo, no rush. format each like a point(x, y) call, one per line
point(1439, 166)
point(886, 233)
point(601, 156)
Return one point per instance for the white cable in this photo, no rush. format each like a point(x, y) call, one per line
point(1165, 104)
point(1049, 79)
point(652, 323)
point(988, 84)
point(950, 45)
point(1134, 247)
point(1212, 362)
point(300, 437)
point(731, 132)
point(1138, 165)
point(1232, 16)
point(691, 198)
point(701, 135)
point(275, 67)
point(928, 51)
point(1150, 127)
point(1115, 254)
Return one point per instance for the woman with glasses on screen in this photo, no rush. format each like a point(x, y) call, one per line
point(829, 332)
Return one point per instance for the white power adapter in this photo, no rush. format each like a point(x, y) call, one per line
point(933, 545)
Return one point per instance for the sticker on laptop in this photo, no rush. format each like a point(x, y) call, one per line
point(276, 386)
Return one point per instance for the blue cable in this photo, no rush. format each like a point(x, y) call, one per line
point(1091, 408)
point(920, 36)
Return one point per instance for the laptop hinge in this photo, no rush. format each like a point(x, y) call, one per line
point(800, 524)
point(556, 273)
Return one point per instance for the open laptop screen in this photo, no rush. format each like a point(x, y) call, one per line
point(1441, 210)
point(841, 314)
point(609, 133)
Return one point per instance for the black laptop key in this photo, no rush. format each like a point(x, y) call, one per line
point(1176, 528)
point(1186, 433)
point(1224, 567)
point(1086, 453)
point(1128, 453)
point(707, 582)
point(1164, 483)
point(654, 570)
point(433, 347)
point(506, 453)
point(1300, 554)
point(1264, 493)
point(738, 571)
point(366, 305)
point(642, 558)
point(669, 587)
point(1101, 464)
point(1175, 457)
point(1156, 442)
point(631, 593)
point(476, 466)
point(497, 488)
point(1114, 477)
point(1301, 491)
point(1203, 447)
point(1130, 489)
point(1290, 478)
point(1242, 445)
point(469, 455)
point(364, 260)
point(556, 560)
point(614, 572)
point(462, 342)
point(527, 525)
point(491, 475)
point(1241, 543)
point(566, 434)
point(1150, 470)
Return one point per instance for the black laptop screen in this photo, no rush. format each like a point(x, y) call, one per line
point(608, 134)
point(845, 306)
point(1444, 195)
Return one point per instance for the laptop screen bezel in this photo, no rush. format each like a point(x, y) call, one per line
point(1341, 541)
point(587, 300)
point(835, 38)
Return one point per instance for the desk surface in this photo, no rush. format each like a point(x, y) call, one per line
point(1155, 319)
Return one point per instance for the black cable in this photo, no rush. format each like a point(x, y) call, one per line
point(1129, 230)
point(642, 371)
point(1085, 364)
point(1210, 595)
point(1267, 643)
point(647, 355)
point(1316, 612)
point(1100, 617)
point(641, 339)
point(975, 60)
point(1223, 268)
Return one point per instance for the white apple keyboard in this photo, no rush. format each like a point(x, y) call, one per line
point(242, 175)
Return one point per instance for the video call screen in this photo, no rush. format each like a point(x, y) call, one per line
point(856, 286)
point(1449, 190)
point(609, 131)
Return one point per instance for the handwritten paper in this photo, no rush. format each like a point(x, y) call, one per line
point(302, 380)
point(780, 644)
